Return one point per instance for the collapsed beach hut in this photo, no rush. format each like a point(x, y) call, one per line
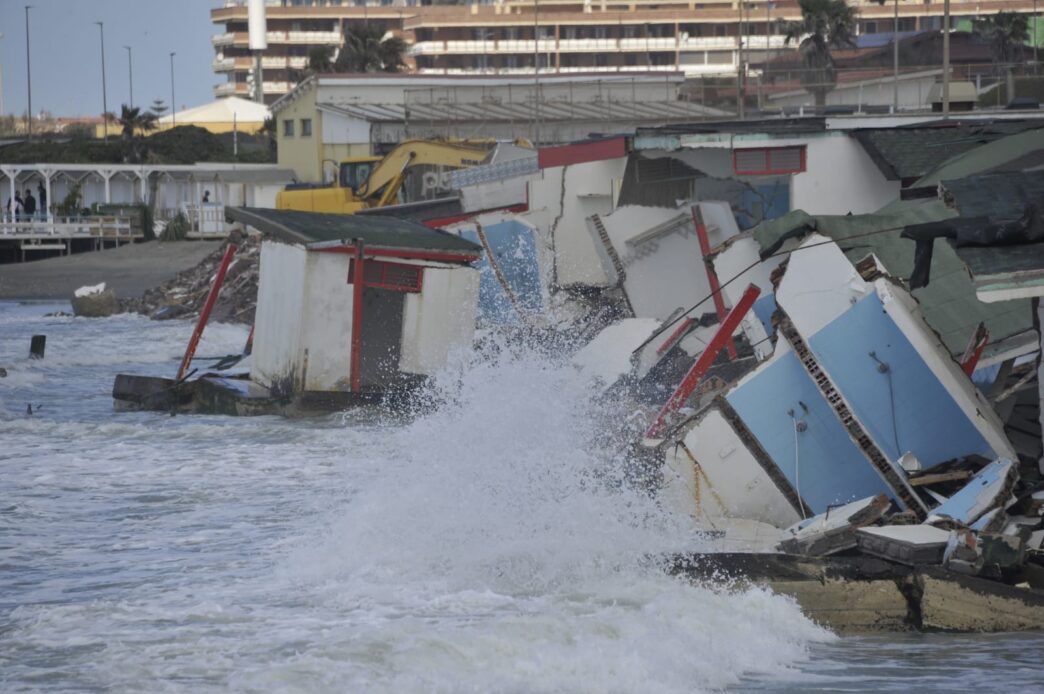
point(357, 305)
point(350, 310)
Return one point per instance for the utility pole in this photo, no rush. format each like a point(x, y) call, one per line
point(740, 106)
point(105, 99)
point(895, 59)
point(130, 75)
point(2, 111)
point(536, 73)
point(173, 107)
point(946, 60)
point(28, 76)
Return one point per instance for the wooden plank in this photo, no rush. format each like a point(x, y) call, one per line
point(923, 480)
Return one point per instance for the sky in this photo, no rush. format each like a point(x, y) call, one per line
point(65, 53)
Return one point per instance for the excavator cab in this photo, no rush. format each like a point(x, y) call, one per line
point(355, 171)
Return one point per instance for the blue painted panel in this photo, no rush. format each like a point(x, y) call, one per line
point(832, 469)
point(927, 420)
point(514, 248)
point(765, 199)
point(763, 308)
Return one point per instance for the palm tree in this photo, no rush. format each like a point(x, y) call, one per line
point(1007, 34)
point(369, 48)
point(134, 120)
point(824, 24)
point(321, 59)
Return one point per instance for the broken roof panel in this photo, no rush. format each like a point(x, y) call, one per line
point(916, 151)
point(318, 230)
point(949, 301)
point(1004, 153)
point(999, 195)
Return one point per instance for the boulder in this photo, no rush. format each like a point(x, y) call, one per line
point(95, 302)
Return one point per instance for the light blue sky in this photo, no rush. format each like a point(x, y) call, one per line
point(66, 53)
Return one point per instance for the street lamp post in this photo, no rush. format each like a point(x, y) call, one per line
point(130, 76)
point(2, 85)
point(28, 76)
point(105, 98)
point(895, 59)
point(173, 108)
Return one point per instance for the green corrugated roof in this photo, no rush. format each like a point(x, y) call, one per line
point(1000, 195)
point(311, 228)
point(985, 158)
point(948, 302)
point(914, 152)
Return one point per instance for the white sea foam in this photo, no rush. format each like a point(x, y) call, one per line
point(488, 545)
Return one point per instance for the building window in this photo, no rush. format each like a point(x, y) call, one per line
point(288, 127)
point(765, 161)
point(394, 276)
point(306, 127)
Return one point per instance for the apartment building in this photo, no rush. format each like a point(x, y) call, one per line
point(701, 38)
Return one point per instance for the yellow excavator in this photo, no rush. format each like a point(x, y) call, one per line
point(365, 182)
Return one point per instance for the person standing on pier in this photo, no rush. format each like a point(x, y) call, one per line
point(15, 207)
point(42, 194)
point(29, 204)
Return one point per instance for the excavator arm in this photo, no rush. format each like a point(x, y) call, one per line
point(387, 178)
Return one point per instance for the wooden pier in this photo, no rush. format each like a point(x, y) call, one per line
point(59, 233)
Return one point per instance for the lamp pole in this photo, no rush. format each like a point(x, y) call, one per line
point(28, 76)
point(895, 59)
point(1, 85)
point(130, 75)
point(946, 60)
point(173, 108)
point(105, 99)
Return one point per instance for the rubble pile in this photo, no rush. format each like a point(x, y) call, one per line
point(183, 296)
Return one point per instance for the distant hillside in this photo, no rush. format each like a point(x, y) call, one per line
point(185, 144)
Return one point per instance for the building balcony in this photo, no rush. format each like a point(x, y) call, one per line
point(306, 37)
point(222, 64)
point(231, 89)
point(649, 44)
point(225, 39)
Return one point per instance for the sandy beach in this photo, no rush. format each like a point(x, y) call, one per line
point(129, 270)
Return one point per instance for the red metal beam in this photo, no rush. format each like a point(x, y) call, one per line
point(699, 368)
point(973, 352)
point(712, 276)
point(676, 336)
point(358, 284)
point(208, 306)
point(582, 152)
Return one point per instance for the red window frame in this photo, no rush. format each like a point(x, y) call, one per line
point(769, 169)
point(385, 275)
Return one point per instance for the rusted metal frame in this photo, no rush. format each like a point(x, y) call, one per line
point(495, 266)
point(705, 360)
point(712, 276)
point(358, 284)
point(204, 314)
point(853, 426)
point(762, 457)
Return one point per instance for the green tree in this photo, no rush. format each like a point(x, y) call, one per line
point(134, 121)
point(369, 48)
point(1007, 34)
point(321, 59)
point(824, 25)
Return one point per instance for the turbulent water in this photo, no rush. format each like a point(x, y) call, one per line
point(484, 546)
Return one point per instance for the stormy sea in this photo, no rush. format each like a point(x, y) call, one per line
point(487, 544)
